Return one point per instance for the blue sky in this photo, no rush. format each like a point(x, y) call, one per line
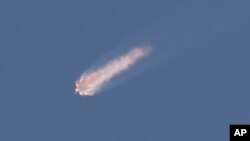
point(200, 86)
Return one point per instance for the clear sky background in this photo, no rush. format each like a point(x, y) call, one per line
point(199, 88)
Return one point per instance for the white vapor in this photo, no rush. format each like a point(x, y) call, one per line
point(91, 82)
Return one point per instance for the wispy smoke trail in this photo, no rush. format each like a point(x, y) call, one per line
point(90, 83)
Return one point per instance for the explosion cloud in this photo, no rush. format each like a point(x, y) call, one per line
point(91, 82)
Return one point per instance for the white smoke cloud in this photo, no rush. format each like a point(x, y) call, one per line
point(90, 83)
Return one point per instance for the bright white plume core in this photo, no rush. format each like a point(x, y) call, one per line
point(91, 82)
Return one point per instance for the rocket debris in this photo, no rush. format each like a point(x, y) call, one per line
point(91, 82)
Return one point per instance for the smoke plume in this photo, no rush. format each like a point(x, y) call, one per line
point(91, 82)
